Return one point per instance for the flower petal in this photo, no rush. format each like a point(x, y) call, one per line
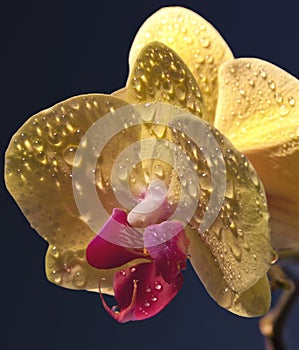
point(253, 302)
point(103, 254)
point(69, 269)
point(259, 112)
point(167, 245)
point(38, 169)
point(159, 74)
point(194, 39)
point(238, 234)
point(141, 292)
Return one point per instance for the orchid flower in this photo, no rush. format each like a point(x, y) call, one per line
point(179, 67)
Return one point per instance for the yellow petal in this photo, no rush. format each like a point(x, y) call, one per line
point(194, 39)
point(258, 111)
point(69, 268)
point(160, 75)
point(121, 93)
point(238, 236)
point(253, 302)
point(40, 161)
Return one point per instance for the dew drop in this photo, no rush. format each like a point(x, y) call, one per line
point(240, 232)
point(148, 113)
point(69, 155)
point(41, 157)
point(115, 309)
point(251, 82)
point(148, 289)
point(245, 244)
point(123, 273)
point(136, 83)
point(278, 98)
point(56, 277)
point(132, 179)
point(254, 177)
point(122, 172)
point(37, 145)
point(180, 92)
point(291, 101)
point(74, 105)
point(236, 250)
point(55, 252)
point(154, 298)
point(133, 269)
point(159, 171)
point(242, 92)
point(283, 110)
point(271, 85)
point(263, 74)
point(159, 130)
point(158, 286)
point(79, 279)
point(225, 297)
point(147, 304)
point(192, 189)
point(55, 138)
point(205, 42)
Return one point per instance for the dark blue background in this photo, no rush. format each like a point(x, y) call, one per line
point(53, 50)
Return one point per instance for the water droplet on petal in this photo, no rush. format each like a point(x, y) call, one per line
point(55, 138)
point(54, 252)
point(69, 155)
point(148, 290)
point(159, 130)
point(271, 85)
point(205, 42)
point(291, 101)
point(147, 304)
point(56, 277)
point(74, 105)
point(159, 171)
point(192, 189)
point(242, 92)
point(263, 74)
point(283, 110)
point(251, 82)
point(236, 250)
point(122, 172)
point(158, 286)
point(115, 309)
point(123, 273)
point(278, 98)
point(79, 279)
point(41, 157)
point(225, 297)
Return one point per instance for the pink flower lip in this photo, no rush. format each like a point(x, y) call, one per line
point(143, 290)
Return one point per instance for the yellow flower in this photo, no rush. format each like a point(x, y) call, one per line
point(180, 60)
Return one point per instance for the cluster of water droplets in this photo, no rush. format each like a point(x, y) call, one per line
point(150, 292)
point(194, 39)
point(240, 232)
point(159, 74)
point(260, 98)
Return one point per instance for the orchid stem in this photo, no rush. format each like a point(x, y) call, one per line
point(272, 325)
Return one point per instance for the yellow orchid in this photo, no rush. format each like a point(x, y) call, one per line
point(179, 67)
